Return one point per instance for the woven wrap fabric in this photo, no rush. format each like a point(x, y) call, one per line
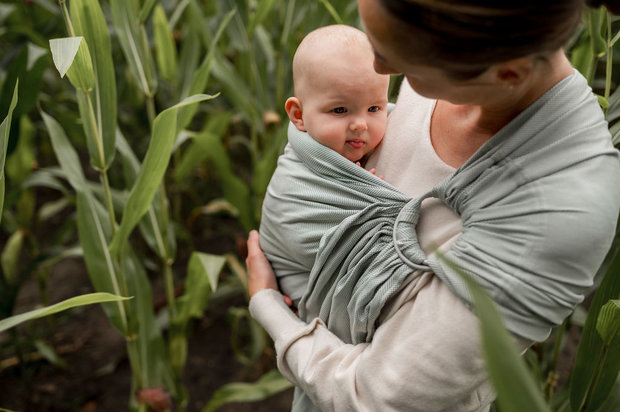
point(538, 203)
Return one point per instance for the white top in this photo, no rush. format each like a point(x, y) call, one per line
point(425, 354)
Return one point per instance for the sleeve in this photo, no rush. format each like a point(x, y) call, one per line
point(425, 357)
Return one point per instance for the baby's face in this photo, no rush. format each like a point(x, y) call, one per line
point(346, 110)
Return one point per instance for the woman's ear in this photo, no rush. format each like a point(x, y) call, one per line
point(513, 73)
point(294, 111)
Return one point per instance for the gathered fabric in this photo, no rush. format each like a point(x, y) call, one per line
point(538, 203)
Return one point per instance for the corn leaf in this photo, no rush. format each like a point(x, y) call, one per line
point(93, 228)
point(71, 57)
point(88, 21)
point(202, 277)
point(5, 129)
point(268, 385)
point(216, 126)
point(235, 190)
point(156, 231)
point(154, 365)
point(608, 322)
point(140, 60)
point(596, 364)
point(582, 56)
point(259, 16)
point(145, 10)
point(152, 170)
point(516, 389)
point(10, 255)
point(81, 300)
point(241, 320)
point(612, 403)
point(201, 77)
point(203, 272)
point(164, 45)
point(596, 21)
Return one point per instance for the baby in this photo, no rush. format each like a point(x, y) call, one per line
point(341, 102)
point(339, 98)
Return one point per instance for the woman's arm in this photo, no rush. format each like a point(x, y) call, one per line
point(425, 357)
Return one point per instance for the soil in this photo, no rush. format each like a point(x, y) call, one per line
point(97, 376)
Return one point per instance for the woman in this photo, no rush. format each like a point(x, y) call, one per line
point(480, 76)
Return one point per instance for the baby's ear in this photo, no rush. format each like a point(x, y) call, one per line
point(293, 109)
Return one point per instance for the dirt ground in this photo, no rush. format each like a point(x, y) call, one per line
point(97, 376)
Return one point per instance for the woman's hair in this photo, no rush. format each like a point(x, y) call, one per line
point(467, 36)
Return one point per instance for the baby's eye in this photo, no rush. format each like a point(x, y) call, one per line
point(339, 110)
point(373, 109)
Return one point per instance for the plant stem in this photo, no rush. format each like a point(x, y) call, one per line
point(102, 166)
point(170, 287)
point(65, 14)
point(610, 51)
point(150, 108)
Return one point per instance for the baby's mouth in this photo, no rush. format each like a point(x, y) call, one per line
point(356, 143)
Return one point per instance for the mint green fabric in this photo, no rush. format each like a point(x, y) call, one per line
point(538, 202)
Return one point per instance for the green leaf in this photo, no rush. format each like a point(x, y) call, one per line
point(10, 255)
point(582, 56)
point(66, 155)
point(596, 365)
point(49, 353)
point(216, 126)
point(29, 66)
point(202, 277)
point(145, 10)
point(515, 387)
point(93, 230)
point(154, 364)
point(71, 57)
point(201, 77)
point(81, 300)
point(260, 15)
point(5, 128)
point(130, 37)
point(89, 21)
point(612, 403)
point(19, 166)
point(602, 101)
point(268, 385)
point(203, 272)
point(94, 233)
point(332, 11)
point(246, 353)
point(164, 45)
point(596, 21)
point(154, 226)
point(152, 170)
point(235, 190)
point(608, 322)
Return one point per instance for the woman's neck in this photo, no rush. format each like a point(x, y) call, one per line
point(458, 131)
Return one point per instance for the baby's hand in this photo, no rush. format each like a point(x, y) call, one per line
point(373, 170)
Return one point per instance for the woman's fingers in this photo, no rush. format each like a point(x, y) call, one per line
point(260, 273)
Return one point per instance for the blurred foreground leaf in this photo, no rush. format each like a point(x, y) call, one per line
point(598, 361)
point(516, 389)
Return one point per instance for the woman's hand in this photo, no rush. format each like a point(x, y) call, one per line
point(260, 273)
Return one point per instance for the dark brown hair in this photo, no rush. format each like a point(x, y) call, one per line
point(467, 36)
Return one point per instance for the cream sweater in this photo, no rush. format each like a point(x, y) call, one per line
point(425, 355)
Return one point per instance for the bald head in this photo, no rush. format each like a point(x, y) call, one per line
point(336, 47)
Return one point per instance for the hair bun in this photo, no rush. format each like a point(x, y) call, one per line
point(612, 5)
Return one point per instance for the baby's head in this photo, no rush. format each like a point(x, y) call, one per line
point(339, 99)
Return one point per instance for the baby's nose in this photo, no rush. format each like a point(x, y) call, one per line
point(358, 124)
